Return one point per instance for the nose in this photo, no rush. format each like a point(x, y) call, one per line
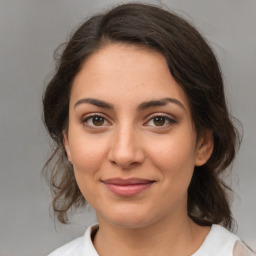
point(126, 150)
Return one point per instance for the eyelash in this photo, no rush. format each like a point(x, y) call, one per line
point(167, 121)
point(86, 119)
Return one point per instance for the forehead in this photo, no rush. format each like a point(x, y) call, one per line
point(124, 74)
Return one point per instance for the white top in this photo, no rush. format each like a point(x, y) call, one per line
point(218, 242)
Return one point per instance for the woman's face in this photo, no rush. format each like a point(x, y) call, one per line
point(131, 138)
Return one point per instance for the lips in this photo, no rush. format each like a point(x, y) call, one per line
point(127, 187)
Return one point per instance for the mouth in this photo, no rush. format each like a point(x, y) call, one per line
point(127, 187)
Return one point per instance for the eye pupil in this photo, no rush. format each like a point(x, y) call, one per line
point(98, 120)
point(159, 121)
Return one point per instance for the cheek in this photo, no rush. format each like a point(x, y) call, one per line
point(88, 153)
point(175, 157)
point(174, 149)
point(88, 156)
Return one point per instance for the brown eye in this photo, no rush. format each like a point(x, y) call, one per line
point(159, 121)
point(98, 120)
point(95, 121)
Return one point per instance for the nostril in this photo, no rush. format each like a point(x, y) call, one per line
point(125, 163)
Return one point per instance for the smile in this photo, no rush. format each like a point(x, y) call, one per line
point(127, 187)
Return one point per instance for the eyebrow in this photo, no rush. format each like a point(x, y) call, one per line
point(142, 106)
point(160, 102)
point(95, 102)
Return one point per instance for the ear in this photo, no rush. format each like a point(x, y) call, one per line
point(204, 147)
point(66, 146)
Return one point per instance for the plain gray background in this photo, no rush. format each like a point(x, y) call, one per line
point(30, 30)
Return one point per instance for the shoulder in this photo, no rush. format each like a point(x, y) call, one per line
point(222, 234)
point(67, 249)
point(80, 246)
point(219, 241)
point(241, 249)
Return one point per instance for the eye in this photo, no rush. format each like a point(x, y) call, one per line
point(160, 121)
point(95, 121)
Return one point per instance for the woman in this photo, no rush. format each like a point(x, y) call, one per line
point(138, 114)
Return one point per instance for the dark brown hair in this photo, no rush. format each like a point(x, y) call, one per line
point(193, 65)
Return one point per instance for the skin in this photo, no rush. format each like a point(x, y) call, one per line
point(128, 141)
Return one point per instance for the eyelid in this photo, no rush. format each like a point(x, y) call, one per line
point(92, 114)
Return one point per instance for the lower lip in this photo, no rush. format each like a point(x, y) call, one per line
point(128, 190)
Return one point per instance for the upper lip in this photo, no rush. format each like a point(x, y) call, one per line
point(130, 181)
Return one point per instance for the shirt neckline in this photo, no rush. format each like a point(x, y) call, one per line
point(212, 237)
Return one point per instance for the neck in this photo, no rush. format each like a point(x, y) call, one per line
point(180, 236)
